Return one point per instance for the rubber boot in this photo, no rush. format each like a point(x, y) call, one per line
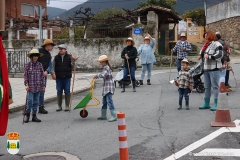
point(113, 118)
point(214, 107)
point(59, 101)
point(206, 104)
point(141, 82)
point(42, 110)
point(103, 115)
point(67, 102)
point(26, 120)
point(148, 82)
point(35, 119)
point(180, 105)
point(123, 86)
point(187, 105)
point(134, 86)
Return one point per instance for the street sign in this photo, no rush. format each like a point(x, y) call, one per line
point(137, 30)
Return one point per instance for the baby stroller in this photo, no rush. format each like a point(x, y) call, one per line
point(119, 77)
point(197, 71)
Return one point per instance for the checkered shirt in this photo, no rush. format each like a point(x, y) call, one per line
point(178, 48)
point(34, 77)
point(108, 83)
point(185, 79)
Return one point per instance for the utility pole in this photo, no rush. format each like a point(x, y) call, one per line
point(2, 16)
point(40, 10)
point(205, 15)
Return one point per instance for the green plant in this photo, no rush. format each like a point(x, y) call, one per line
point(197, 16)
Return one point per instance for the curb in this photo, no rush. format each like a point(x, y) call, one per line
point(20, 107)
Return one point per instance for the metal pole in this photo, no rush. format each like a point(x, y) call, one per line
point(2, 15)
point(205, 16)
point(40, 10)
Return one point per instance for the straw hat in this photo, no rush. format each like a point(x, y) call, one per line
point(129, 39)
point(34, 51)
point(146, 38)
point(103, 58)
point(183, 35)
point(48, 41)
point(185, 60)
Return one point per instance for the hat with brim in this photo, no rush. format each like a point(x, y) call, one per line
point(129, 39)
point(185, 60)
point(62, 46)
point(34, 52)
point(103, 58)
point(146, 38)
point(183, 35)
point(47, 42)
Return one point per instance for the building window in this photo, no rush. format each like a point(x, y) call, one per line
point(27, 10)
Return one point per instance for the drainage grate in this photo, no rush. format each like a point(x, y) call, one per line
point(44, 157)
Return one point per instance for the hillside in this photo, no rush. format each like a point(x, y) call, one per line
point(54, 12)
point(181, 6)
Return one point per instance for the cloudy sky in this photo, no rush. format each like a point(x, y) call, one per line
point(65, 4)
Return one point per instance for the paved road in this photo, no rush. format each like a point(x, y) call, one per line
point(155, 128)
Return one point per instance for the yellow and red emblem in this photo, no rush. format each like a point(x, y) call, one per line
point(13, 142)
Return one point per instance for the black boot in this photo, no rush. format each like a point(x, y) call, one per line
point(148, 82)
point(180, 105)
point(35, 119)
point(123, 86)
point(27, 116)
point(42, 110)
point(134, 86)
point(59, 101)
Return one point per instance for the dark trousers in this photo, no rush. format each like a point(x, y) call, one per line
point(63, 84)
point(183, 92)
point(179, 66)
point(227, 77)
point(126, 72)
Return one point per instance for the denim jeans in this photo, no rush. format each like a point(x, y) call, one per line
point(222, 75)
point(211, 79)
point(183, 92)
point(107, 101)
point(179, 66)
point(63, 84)
point(147, 67)
point(41, 98)
point(126, 72)
point(227, 77)
point(32, 102)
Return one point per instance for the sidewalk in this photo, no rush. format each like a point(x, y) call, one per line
point(19, 93)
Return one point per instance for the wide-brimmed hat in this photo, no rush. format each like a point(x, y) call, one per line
point(103, 58)
point(183, 35)
point(129, 39)
point(48, 41)
point(64, 46)
point(146, 38)
point(34, 51)
point(185, 60)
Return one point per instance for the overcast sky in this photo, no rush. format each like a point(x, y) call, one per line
point(65, 4)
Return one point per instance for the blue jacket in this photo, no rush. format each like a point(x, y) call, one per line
point(147, 53)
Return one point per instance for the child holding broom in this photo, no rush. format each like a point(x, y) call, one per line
point(185, 83)
point(108, 89)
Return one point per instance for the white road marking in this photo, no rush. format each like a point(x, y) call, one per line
point(219, 152)
point(204, 140)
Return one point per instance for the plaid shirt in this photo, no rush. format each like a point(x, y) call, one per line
point(185, 79)
point(178, 48)
point(34, 77)
point(108, 83)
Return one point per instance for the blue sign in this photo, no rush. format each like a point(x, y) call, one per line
point(137, 30)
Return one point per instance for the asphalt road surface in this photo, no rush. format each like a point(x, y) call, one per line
point(155, 128)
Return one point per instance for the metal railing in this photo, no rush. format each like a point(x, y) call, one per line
point(16, 59)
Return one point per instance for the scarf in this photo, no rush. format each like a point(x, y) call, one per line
point(205, 46)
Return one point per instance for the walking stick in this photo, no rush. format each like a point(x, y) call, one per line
point(170, 68)
point(129, 72)
point(25, 106)
point(74, 73)
point(234, 78)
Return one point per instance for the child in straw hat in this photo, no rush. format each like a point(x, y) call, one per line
point(185, 83)
point(108, 89)
point(34, 82)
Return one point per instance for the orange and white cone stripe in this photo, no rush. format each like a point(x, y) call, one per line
point(122, 134)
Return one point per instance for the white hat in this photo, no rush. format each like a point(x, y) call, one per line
point(146, 38)
point(64, 46)
point(185, 60)
point(183, 34)
point(129, 39)
point(103, 58)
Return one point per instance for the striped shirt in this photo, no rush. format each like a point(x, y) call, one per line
point(34, 77)
point(185, 79)
point(108, 83)
point(178, 48)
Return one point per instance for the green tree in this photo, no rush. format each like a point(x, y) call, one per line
point(197, 15)
point(162, 3)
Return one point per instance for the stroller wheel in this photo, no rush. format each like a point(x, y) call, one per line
point(200, 88)
point(137, 83)
point(83, 113)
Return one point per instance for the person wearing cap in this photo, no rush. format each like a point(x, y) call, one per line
point(211, 55)
point(34, 82)
point(108, 88)
point(45, 60)
point(129, 54)
point(62, 72)
point(182, 48)
point(184, 83)
point(225, 62)
point(147, 57)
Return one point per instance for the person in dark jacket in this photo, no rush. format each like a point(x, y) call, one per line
point(62, 73)
point(129, 54)
point(45, 60)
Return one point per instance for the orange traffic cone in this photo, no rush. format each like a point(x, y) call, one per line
point(222, 118)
